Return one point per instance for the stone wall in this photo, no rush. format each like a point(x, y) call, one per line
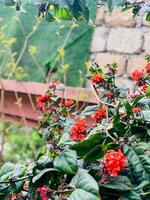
point(120, 38)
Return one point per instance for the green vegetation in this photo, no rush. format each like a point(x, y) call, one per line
point(21, 144)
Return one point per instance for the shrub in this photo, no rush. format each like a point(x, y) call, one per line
point(108, 159)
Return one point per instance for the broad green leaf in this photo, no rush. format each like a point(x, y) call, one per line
point(146, 115)
point(42, 173)
point(6, 170)
point(66, 140)
point(138, 166)
point(118, 184)
point(89, 144)
point(66, 162)
point(131, 196)
point(10, 170)
point(88, 110)
point(85, 187)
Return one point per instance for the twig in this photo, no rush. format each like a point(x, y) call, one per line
point(14, 180)
point(104, 104)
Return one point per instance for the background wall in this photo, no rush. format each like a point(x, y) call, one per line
point(120, 38)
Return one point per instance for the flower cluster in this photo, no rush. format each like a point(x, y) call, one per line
point(137, 75)
point(97, 79)
point(137, 109)
point(43, 192)
point(42, 101)
point(141, 77)
point(69, 103)
point(113, 162)
point(99, 114)
point(78, 130)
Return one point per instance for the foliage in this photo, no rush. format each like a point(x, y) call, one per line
point(108, 159)
point(138, 7)
point(47, 46)
point(58, 9)
point(26, 142)
point(79, 9)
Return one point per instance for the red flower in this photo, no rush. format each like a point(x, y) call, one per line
point(42, 100)
point(136, 75)
point(97, 78)
point(113, 162)
point(78, 131)
point(99, 115)
point(69, 103)
point(12, 197)
point(144, 87)
point(43, 190)
point(148, 68)
point(137, 109)
point(109, 95)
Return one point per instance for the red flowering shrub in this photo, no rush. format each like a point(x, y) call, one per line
point(107, 158)
point(113, 162)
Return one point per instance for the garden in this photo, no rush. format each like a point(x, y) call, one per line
point(69, 129)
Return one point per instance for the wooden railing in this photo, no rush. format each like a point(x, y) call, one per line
point(19, 100)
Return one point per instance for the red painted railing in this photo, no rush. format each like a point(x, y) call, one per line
point(19, 100)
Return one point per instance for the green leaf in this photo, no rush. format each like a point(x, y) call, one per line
point(148, 17)
point(139, 167)
point(65, 140)
point(88, 110)
point(10, 170)
point(146, 115)
point(66, 162)
point(148, 91)
point(118, 184)
point(85, 187)
point(84, 147)
point(131, 196)
point(136, 100)
point(6, 170)
point(111, 4)
point(128, 108)
point(42, 173)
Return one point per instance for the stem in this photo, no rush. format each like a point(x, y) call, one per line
point(61, 191)
point(105, 105)
point(14, 181)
